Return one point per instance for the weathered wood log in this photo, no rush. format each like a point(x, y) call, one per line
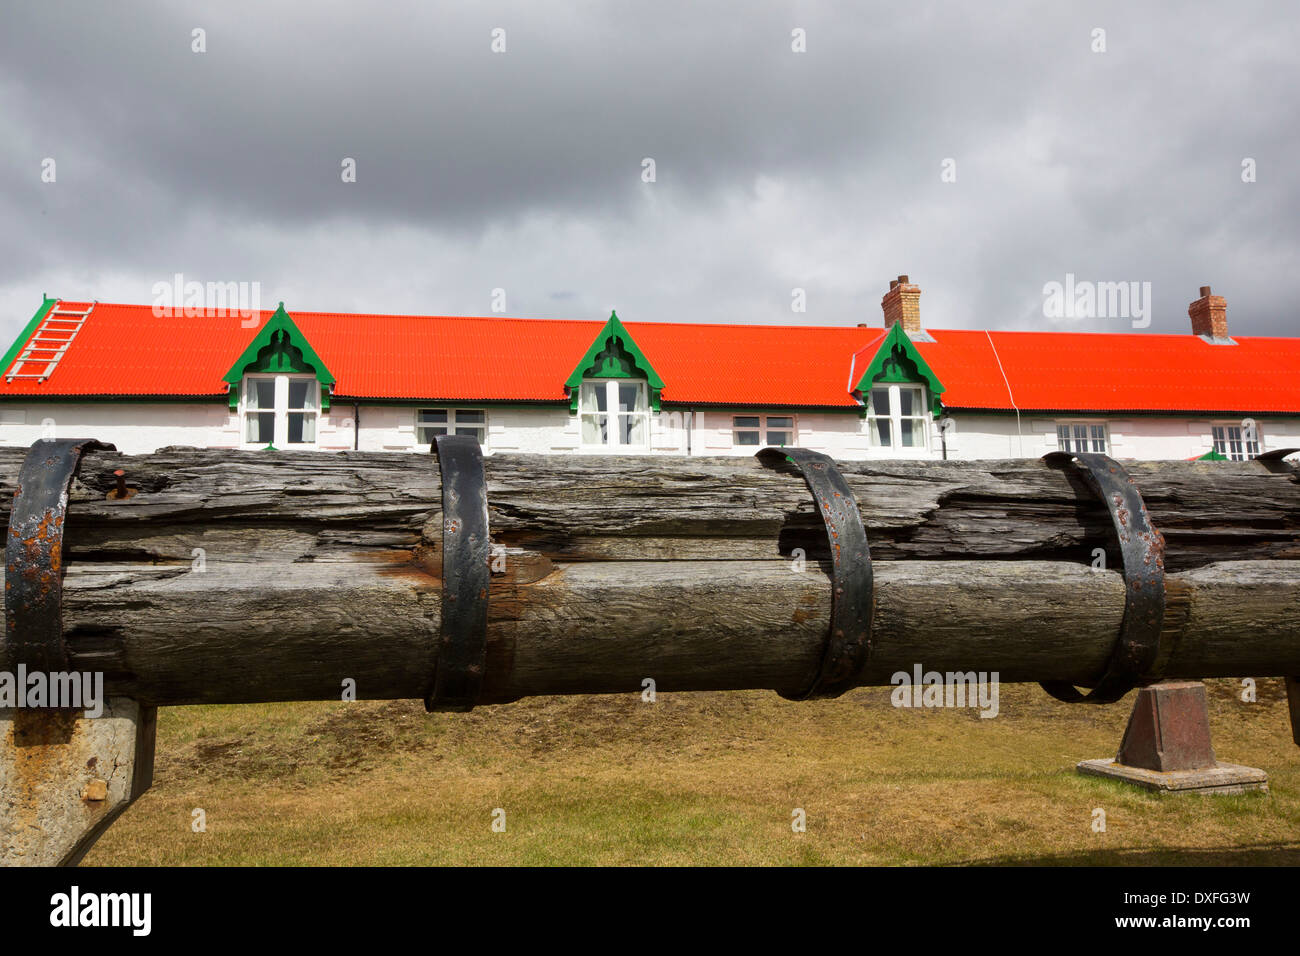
point(254, 576)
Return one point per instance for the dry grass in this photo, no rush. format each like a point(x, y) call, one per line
point(693, 779)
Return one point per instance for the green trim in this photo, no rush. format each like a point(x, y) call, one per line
point(218, 399)
point(452, 402)
point(741, 409)
point(613, 354)
point(278, 348)
point(26, 333)
point(897, 360)
point(1109, 413)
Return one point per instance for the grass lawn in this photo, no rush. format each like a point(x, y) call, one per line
point(694, 779)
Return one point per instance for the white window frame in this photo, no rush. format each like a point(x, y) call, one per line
point(281, 409)
point(1091, 440)
point(611, 405)
point(921, 419)
point(452, 425)
point(764, 429)
point(1222, 433)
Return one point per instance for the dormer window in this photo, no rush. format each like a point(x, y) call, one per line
point(896, 416)
point(615, 413)
point(280, 410)
point(278, 387)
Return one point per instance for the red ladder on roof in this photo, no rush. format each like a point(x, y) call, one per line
point(58, 329)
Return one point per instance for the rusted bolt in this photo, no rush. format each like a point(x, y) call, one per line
point(121, 492)
point(95, 791)
point(120, 474)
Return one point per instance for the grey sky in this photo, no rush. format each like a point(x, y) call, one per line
point(775, 170)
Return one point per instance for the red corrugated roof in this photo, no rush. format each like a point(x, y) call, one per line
point(1134, 371)
point(126, 350)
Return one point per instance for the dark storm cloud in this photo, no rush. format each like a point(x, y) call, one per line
point(522, 170)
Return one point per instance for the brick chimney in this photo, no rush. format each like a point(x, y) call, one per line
point(1209, 315)
point(902, 303)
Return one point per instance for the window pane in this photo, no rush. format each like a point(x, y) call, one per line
point(302, 428)
point(300, 394)
point(466, 416)
point(629, 397)
point(476, 433)
point(747, 437)
point(260, 393)
point(1098, 438)
point(907, 402)
point(425, 434)
point(780, 439)
point(744, 421)
point(594, 430)
point(909, 433)
point(780, 421)
point(632, 428)
point(432, 416)
point(880, 403)
point(594, 397)
point(260, 427)
point(1234, 442)
point(882, 432)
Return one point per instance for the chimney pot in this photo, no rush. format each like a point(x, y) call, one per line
point(1209, 315)
point(902, 280)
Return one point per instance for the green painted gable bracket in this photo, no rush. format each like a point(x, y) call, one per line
point(613, 354)
point(279, 347)
point(898, 361)
point(16, 349)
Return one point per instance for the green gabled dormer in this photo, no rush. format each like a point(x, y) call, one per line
point(613, 354)
point(280, 347)
point(898, 361)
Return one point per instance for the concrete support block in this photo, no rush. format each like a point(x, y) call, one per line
point(64, 778)
point(1167, 748)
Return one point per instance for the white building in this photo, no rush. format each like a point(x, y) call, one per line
point(143, 377)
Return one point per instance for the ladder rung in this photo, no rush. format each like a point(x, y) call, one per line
point(66, 312)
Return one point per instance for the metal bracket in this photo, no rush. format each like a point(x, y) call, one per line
point(34, 553)
point(462, 646)
point(848, 644)
point(1143, 551)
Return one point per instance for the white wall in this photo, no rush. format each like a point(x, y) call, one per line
point(136, 427)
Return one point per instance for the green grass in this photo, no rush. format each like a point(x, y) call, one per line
point(693, 779)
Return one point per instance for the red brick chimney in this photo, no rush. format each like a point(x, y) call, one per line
point(902, 303)
point(1209, 315)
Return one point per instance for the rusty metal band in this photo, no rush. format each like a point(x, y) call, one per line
point(462, 644)
point(1143, 550)
point(34, 554)
point(848, 643)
